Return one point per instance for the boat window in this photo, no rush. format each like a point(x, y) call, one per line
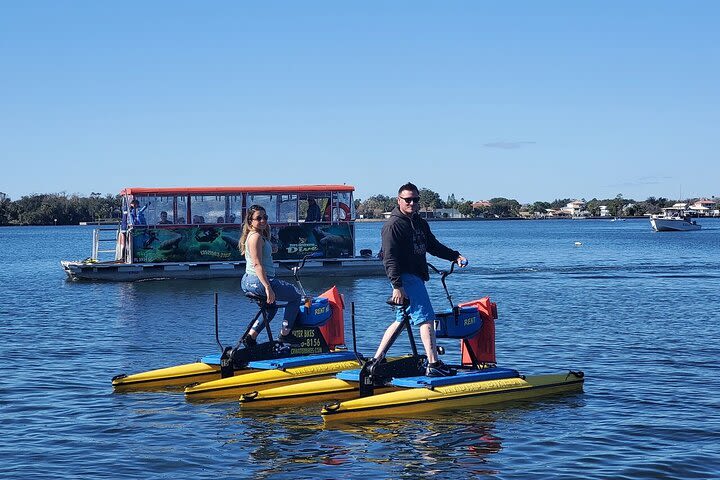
point(323, 201)
point(343, 210)
point(160, 210)
point(207, 208)
point(287, 206)
point(182, 210)
point(268, 202)
point(306, 213)
point(145, 210)
point(234, 209)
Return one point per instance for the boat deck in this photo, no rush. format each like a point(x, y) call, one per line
point(129, 272)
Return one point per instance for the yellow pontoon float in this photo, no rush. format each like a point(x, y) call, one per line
point(401, 388)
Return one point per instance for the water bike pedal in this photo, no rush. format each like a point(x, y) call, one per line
point(440, 369)
point(382, 372)
point(289, 339)
point(242, 355)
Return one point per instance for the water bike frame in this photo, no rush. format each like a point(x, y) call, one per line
point(463, 322)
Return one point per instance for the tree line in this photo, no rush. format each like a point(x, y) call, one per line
point(64, 209)
point(502, 207)
point(59, 209)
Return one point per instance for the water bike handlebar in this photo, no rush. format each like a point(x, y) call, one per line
point(443, 276)
point(295, 269)
point(406, 302)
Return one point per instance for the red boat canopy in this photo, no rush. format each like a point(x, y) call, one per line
point(235, 190)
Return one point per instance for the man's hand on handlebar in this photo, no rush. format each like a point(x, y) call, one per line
point(461, 261)
point(398, 296)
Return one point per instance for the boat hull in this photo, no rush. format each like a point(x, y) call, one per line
point(264, 379)
point(406, 402)
point(673, 225)
point(129, 272)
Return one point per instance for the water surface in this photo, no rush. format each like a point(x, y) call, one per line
point(636, 310)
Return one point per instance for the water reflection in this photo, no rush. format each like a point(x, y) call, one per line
point(420, 446)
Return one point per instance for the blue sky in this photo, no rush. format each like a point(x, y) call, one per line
point(527, 100)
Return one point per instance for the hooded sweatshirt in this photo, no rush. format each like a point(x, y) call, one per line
point(404, 243)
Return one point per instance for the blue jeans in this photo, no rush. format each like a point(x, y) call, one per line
point(284, 292)
point(420, 309)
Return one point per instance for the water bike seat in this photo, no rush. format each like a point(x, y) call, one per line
point(260, 299)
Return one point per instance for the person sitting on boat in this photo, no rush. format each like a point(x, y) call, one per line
point(260, 278)
point(137, 215)
point(164, 218)
point(313, 211)
point(405, 239)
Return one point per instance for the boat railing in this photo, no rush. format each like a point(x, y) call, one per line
point(101, 237)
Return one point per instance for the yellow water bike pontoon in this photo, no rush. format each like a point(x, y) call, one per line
point(400, 387)
point(320, 325)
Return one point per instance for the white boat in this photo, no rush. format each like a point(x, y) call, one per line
point(673, 219)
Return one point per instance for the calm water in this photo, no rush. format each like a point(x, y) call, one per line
point(636, 310)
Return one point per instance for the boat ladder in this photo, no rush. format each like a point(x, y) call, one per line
point(103, 236)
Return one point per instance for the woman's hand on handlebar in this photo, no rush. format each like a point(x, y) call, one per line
point(461, 261)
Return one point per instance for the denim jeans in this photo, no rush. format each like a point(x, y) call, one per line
point(284, 292)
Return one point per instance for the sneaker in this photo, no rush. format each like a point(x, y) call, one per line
point(249, 341)
point(439, 369)
point(289, 338)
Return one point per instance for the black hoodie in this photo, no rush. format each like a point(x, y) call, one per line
point(404, 243)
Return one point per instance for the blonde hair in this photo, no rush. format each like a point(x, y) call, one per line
point(247, 227)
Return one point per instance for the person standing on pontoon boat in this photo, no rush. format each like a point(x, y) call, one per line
point(405, 239)
point(137, 215)
point(260, 278)
point(313, 211)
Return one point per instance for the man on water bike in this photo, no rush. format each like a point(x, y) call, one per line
point(405, 239)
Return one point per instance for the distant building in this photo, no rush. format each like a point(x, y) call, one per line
point(558, 213)
point(704, 208)
point(446, 213)
point(575, 208)
point(604, 212)
point(481, 204)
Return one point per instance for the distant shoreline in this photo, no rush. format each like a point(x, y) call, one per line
point(481, 219)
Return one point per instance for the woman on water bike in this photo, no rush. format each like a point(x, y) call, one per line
point(259, 277)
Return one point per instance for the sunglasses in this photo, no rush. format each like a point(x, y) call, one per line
point(409, 200)
point(260, 217)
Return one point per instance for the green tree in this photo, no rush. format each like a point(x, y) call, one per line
point(374, 206)
point(617, 205)
point(5, 211)
point(429, 200)
point(465, 208)
point(559, 203)
point(504, 207)
point(539, 208)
